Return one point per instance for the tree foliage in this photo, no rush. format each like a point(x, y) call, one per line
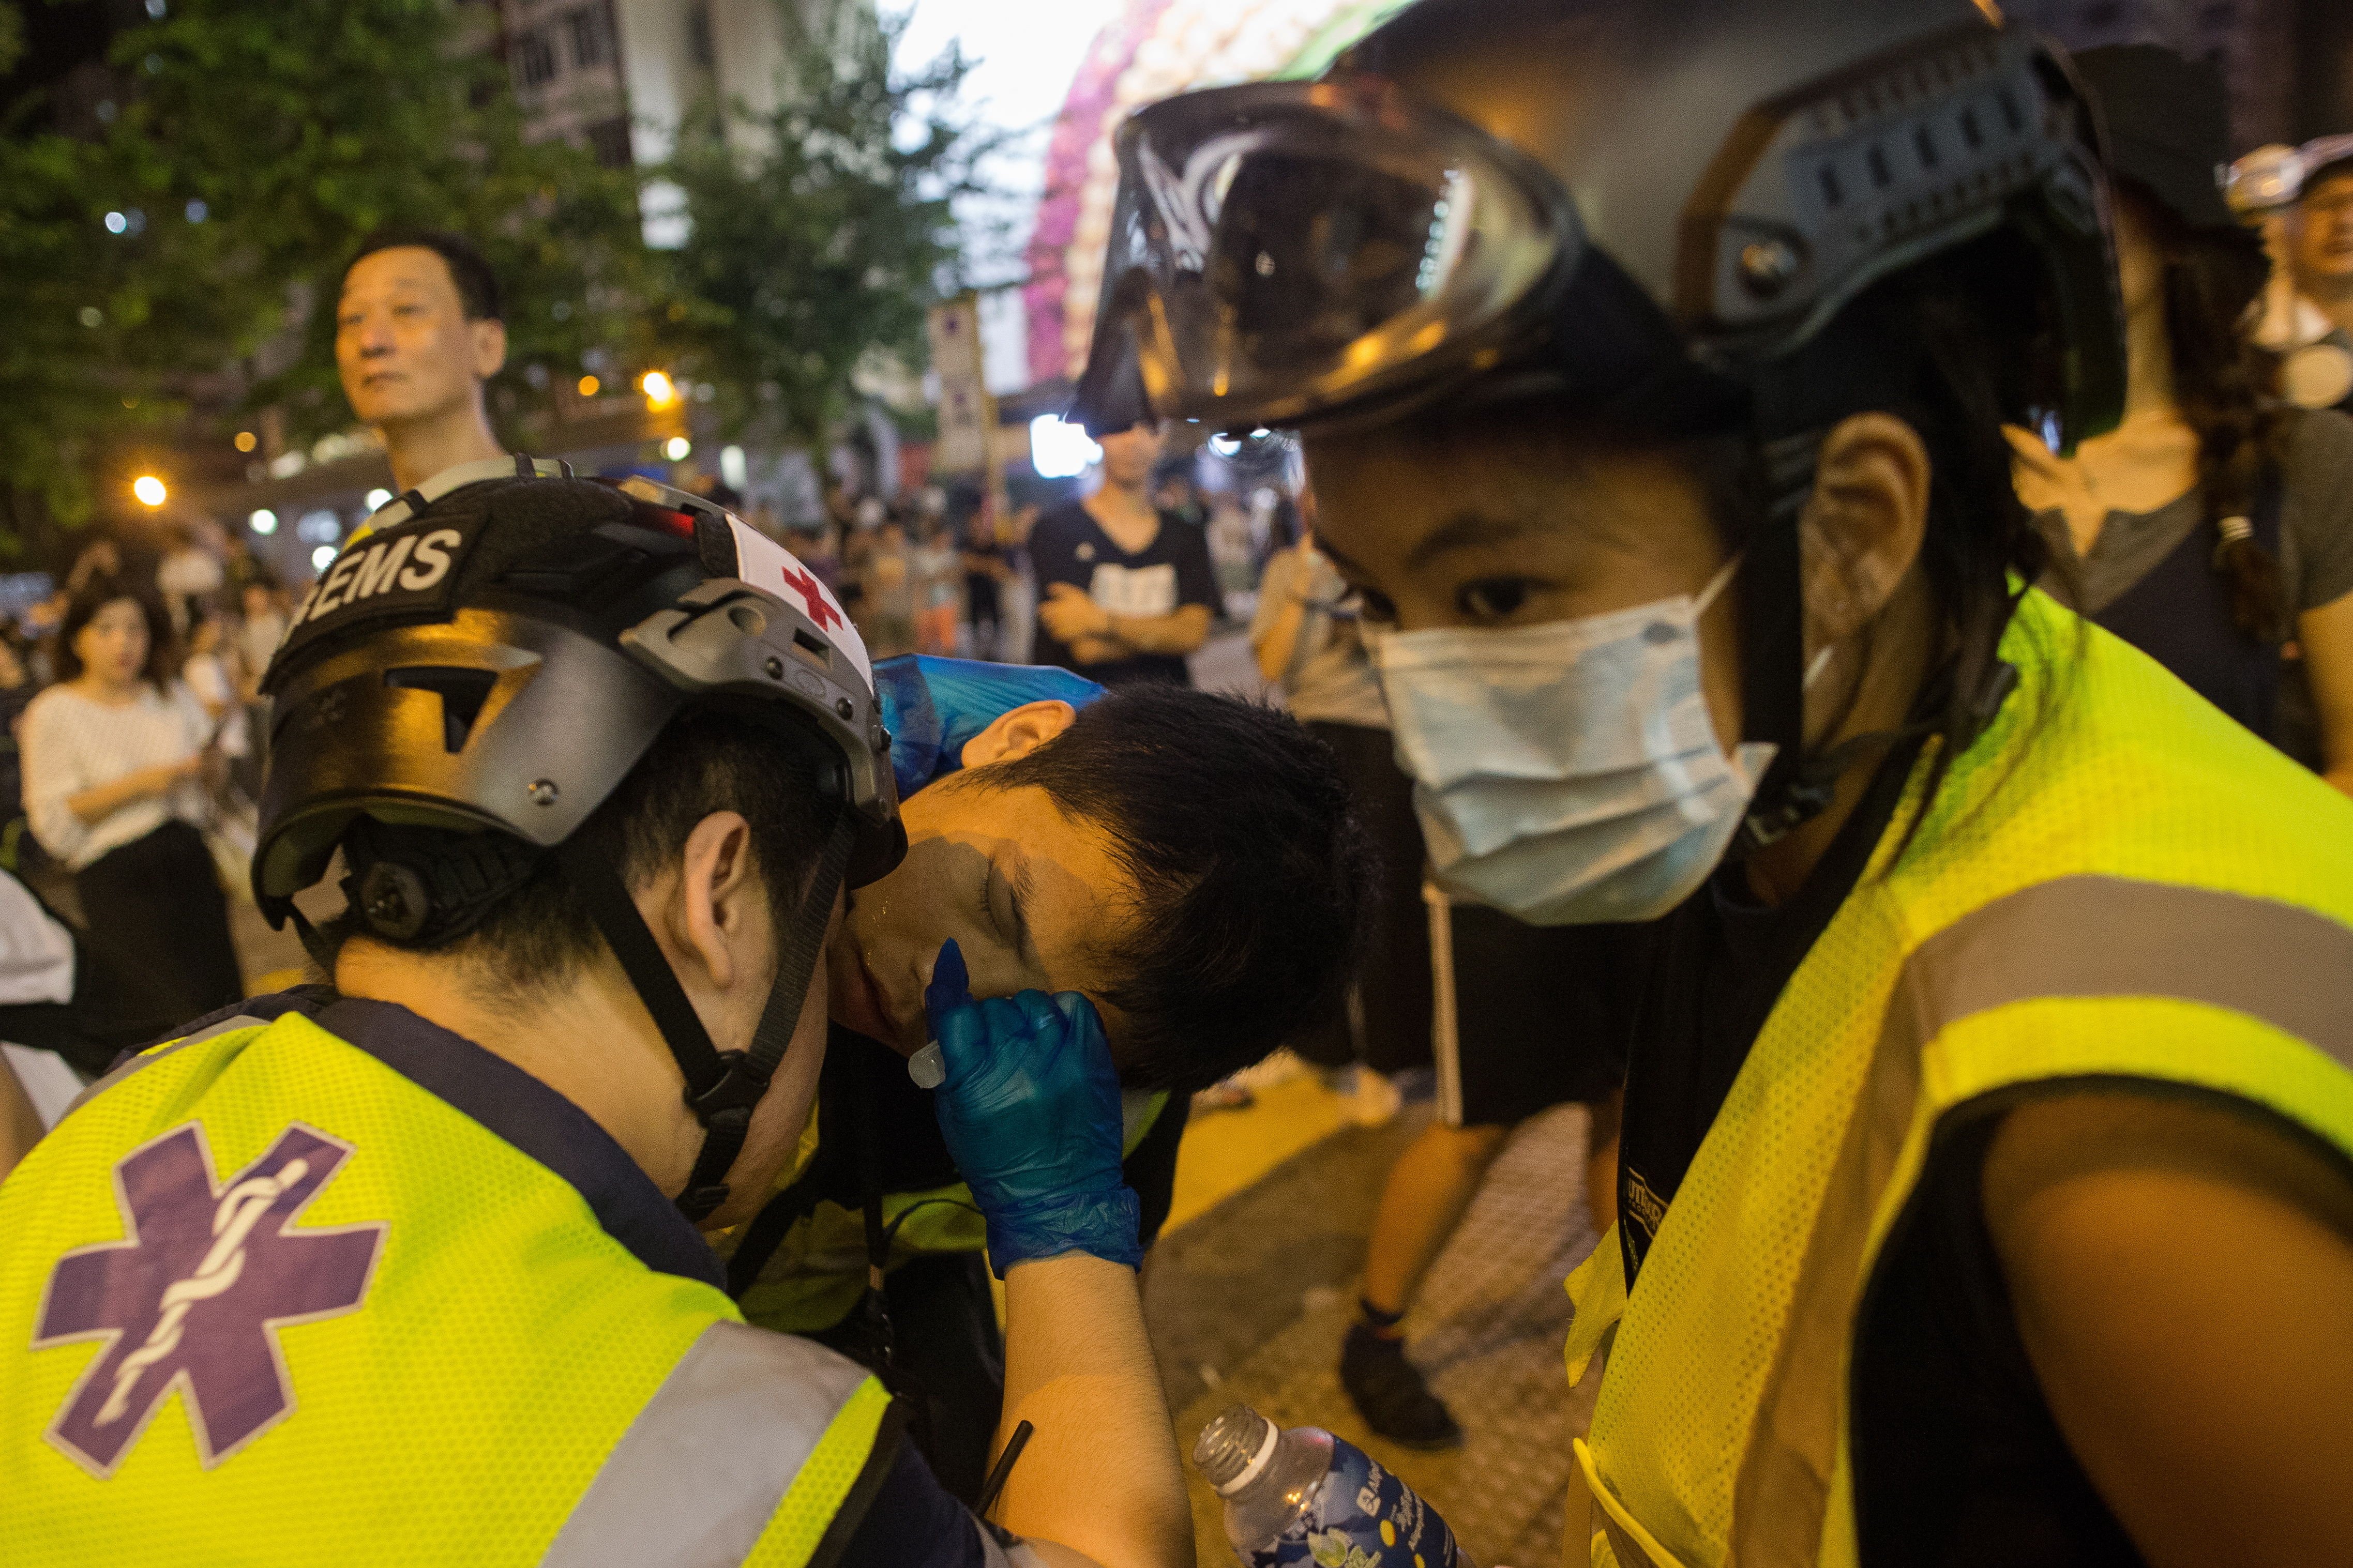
point(821, 229)
point(258, 140)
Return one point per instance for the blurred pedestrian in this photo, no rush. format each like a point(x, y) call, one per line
point(1124, 592)
point(2213, 529)
point(2321, 230)
point(210, 675)
point(191, 570)
point(260, 630)
point(115, 760)
point(886, 609)
point(418, 332)
point(938, 566)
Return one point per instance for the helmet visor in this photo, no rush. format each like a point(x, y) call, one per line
point(1282, 249)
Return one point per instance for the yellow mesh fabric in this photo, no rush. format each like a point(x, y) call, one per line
point(816, 1493)
point(505, 1342)
point(2101, 763)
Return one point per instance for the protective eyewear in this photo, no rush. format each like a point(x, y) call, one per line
point(1288, 247)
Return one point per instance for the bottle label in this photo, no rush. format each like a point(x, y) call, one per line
point(1364, 1517)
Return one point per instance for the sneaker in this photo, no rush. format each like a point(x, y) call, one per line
point(1389, 1393)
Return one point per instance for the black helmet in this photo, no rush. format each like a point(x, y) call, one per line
point(1593, 191)
point(489, 657)
point(1650, 208)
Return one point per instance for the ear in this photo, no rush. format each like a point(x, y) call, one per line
point(1018, 731)
point(489, 340)
point(717, 911)
point(1862, 528)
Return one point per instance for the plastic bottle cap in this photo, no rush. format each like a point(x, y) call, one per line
point(1258, 1462)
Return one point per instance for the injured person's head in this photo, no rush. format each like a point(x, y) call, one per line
point(1185, 859)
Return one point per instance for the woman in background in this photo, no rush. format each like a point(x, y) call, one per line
point(2213, 529)
point(115, 758)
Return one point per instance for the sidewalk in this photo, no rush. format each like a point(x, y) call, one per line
point(1248, 1303)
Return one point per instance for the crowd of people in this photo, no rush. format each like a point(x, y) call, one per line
point(1869, 720)
point(130, 697)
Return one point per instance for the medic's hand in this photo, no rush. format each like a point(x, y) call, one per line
point(1030, 1110)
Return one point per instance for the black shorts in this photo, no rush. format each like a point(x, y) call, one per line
point(1526, 1017)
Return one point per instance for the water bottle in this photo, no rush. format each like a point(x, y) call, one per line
point(1305, 1497)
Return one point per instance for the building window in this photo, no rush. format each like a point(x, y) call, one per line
point(585, 25)
point(699, 46)
point(609, 141)
point(535, 59)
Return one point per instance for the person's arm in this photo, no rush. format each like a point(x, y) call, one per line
point(1029, 1108)
point(2182, 1277)
point(1079, 1368)
point(1069, 616)
point(2326, 635)
point(1281, 616)
point(95, 805)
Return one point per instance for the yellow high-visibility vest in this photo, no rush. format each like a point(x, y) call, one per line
point(2115, 881)
point(270, 1296)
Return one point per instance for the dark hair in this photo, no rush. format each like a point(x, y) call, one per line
point(1951, 346)
point(538, 936)
point(2218, 382)
point(1252, 878)
point(2334, 169)
point(478, 285)
point(96, 595)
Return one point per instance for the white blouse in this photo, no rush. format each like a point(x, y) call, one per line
point(72, 744)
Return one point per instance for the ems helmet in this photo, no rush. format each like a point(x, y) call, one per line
point(487, 661)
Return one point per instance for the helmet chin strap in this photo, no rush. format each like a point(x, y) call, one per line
point(1775, 673)
point(1772, 649)
point(722, 1086)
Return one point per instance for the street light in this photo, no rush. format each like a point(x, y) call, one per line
point(677, 448)
point(377, 498)
point(589, 386)
point(264, 521)
point(246, 441)
point(149, 489)
point(659, 390)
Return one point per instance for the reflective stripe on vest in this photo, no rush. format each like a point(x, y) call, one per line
point(2115, 884)
point(705, 1470)
point(2287, 966)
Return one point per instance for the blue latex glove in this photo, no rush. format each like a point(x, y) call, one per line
point(1030, 1110)
point(932, 705)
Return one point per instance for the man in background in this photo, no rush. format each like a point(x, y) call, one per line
point(1125, 591)
point(418, 332)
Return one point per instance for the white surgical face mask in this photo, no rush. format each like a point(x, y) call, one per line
point(1566, 773)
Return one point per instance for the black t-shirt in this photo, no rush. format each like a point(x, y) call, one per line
point(1068, 545)
point(1718, 963)
point(1958, 1458)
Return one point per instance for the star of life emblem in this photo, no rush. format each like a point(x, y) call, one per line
point(196, 1297)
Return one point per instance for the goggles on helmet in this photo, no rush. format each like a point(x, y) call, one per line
point(1282, 252)
point(1285, 247)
